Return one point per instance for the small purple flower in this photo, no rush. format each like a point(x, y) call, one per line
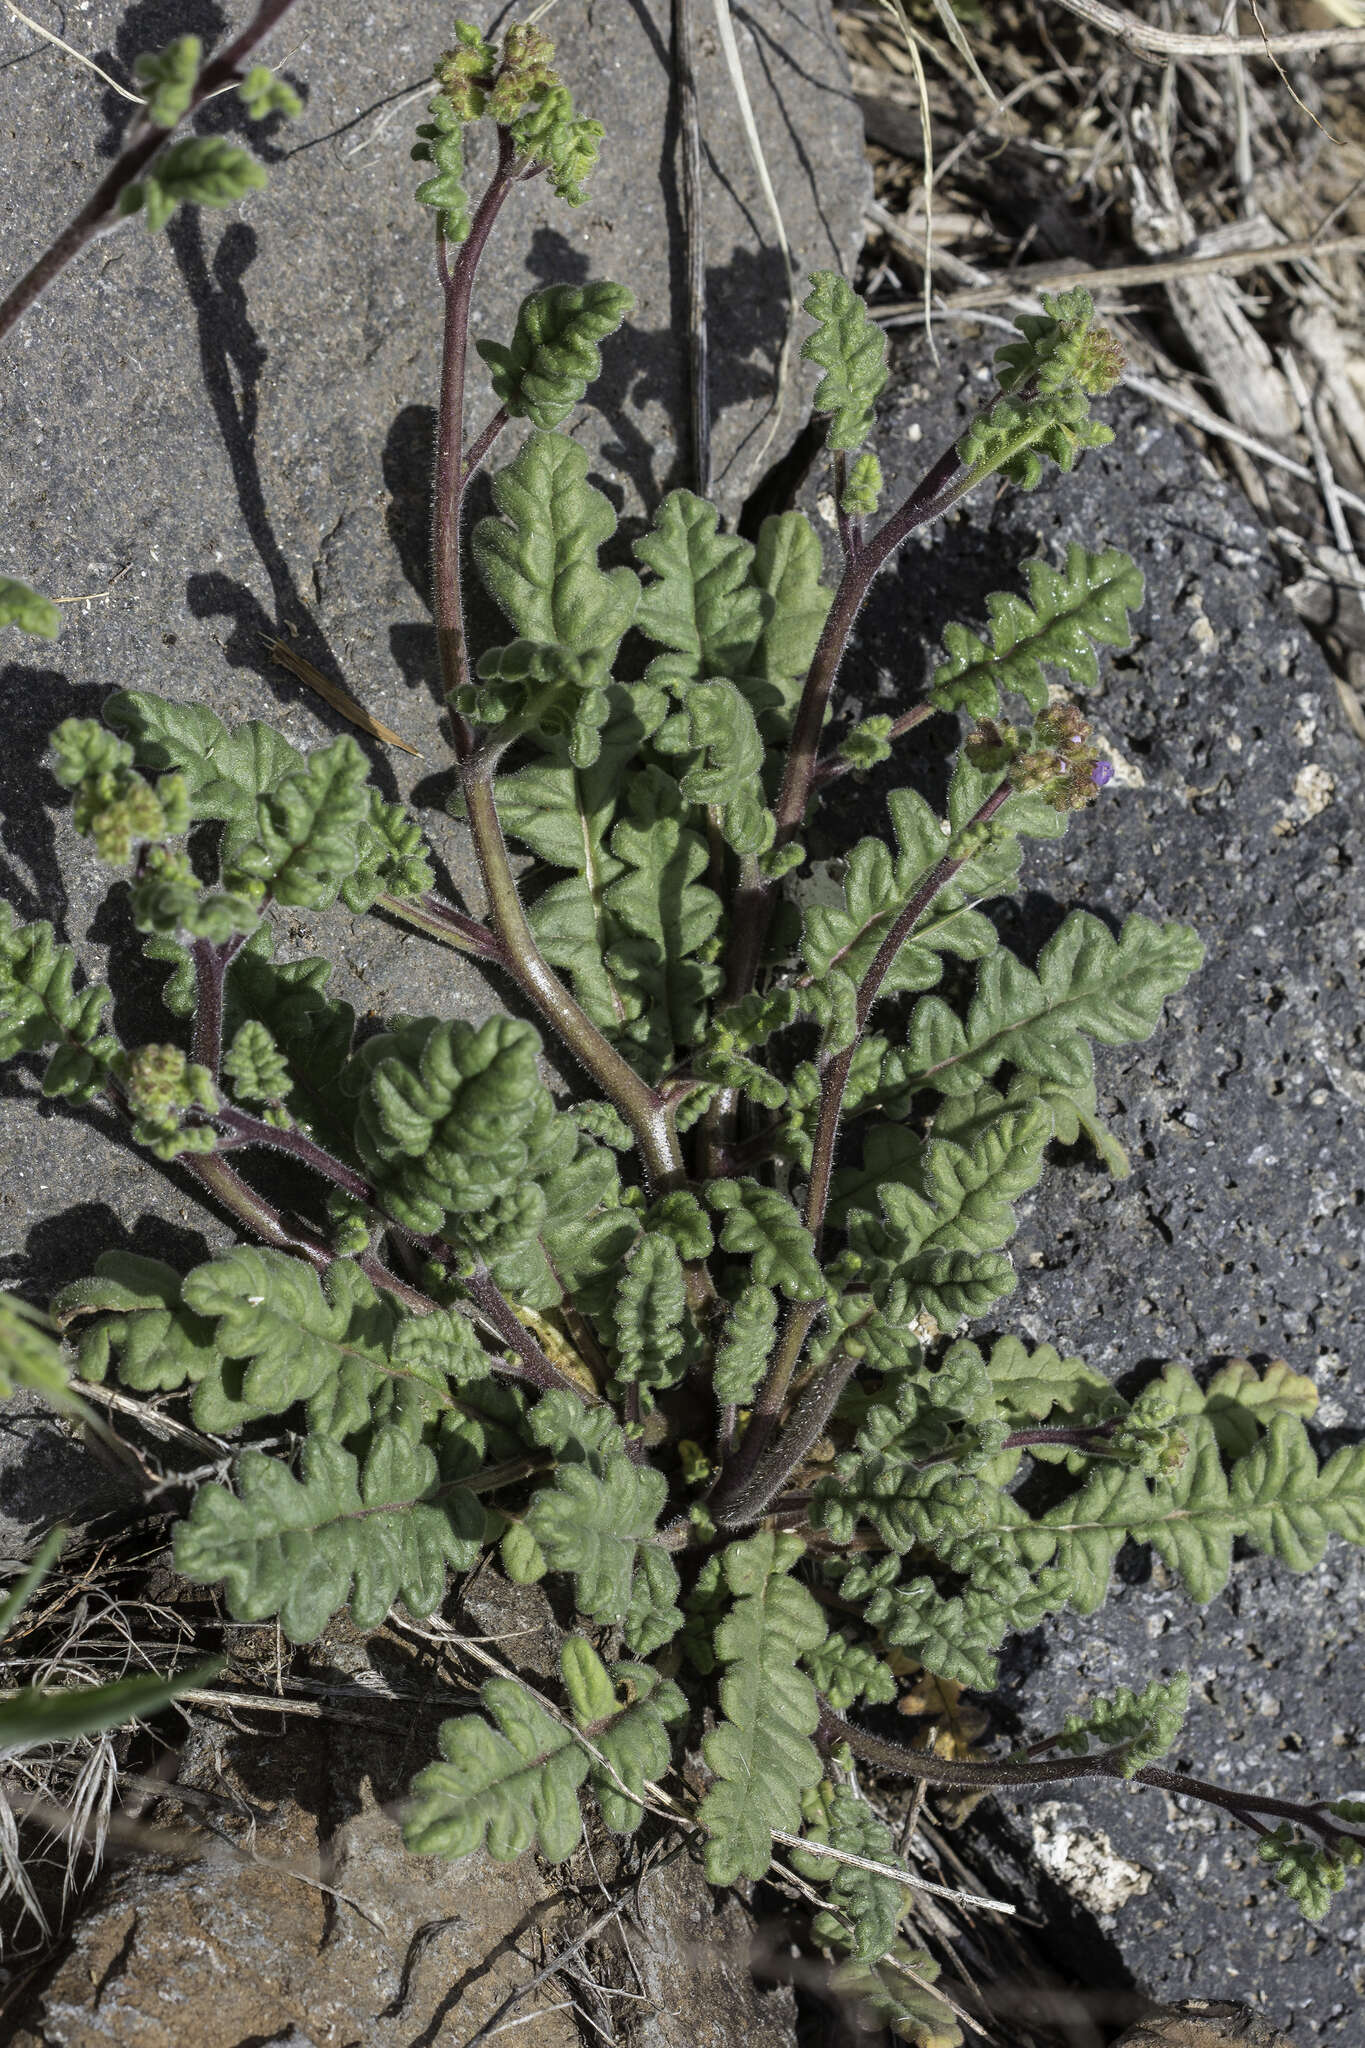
point(1102, 772)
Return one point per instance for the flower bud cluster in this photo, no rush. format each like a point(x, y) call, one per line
point(518, 88)
point(160, 1086)
point(465, 72)
point(478, 81)
point(1053, 759)
point(1101, 362)
point(115, 805)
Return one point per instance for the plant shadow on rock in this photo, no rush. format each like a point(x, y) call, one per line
point(32, 702)
point(232, 358)
point(150, 25)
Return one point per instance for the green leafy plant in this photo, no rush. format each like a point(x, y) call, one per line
point(693, 1343)
point(28, 609)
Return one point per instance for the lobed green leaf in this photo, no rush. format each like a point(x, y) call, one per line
point(851, 350)
point(760, 1754)
point(346, 1533)
point(553, 356)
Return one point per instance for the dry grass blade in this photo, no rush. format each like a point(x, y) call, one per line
point(1141, 37)
point(90, 1806)
point(67, 51)
point(957, 36)
point(725, 28)
point(827, 1852)
point(332, 693)
point(1125, 276)
point(896, 9)
point(663, 1805)
point(13, 1876)
point(1331, 497)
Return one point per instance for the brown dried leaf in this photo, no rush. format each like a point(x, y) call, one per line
point(956, 1724)
point(333, 694)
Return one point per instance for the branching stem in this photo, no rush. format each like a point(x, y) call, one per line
point(830, 767)
point(480, 446)
point(100, 213)
point(749, 1485)
point(494, 1306)
point(975, 1775)
point(648, 1114)
point(835, 1069)
point(211, 963)
point(946, 482)
point(242, 1128)
point(441, 920)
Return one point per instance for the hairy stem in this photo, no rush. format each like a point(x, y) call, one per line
point(241, 1200)
point(458, 286)
point(649, 1116)
point(835, 1070)
point(264, 1221)
point(242, 1128)
point(499, 1314)
point(830, 767)
point(803, 1430)
point(245, 1129)
point(479, 447)
point(211, 964)
point(931, 1769)
point(737, 1483)
point(252, 1209)
point(441, 920)
point(644, 1108)
point(945, 483)
point(100, 212)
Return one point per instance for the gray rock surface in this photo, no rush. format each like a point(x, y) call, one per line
point(233, 419)
point(1241, 1229)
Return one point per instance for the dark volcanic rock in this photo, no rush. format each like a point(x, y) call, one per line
point(1241, 1229)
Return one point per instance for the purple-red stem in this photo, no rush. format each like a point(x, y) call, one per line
point(101, 208)
point(441, 920)
point(945, 483)
point(458, 286)
point(931, 1769)
point(477, 451)
point(831, 767)
point(211, 963)
point(645, 1109)
point(748, 1485)
point(213, 1171)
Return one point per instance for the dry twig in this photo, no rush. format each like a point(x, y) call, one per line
point(1142, 38)
point(1226, 263)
